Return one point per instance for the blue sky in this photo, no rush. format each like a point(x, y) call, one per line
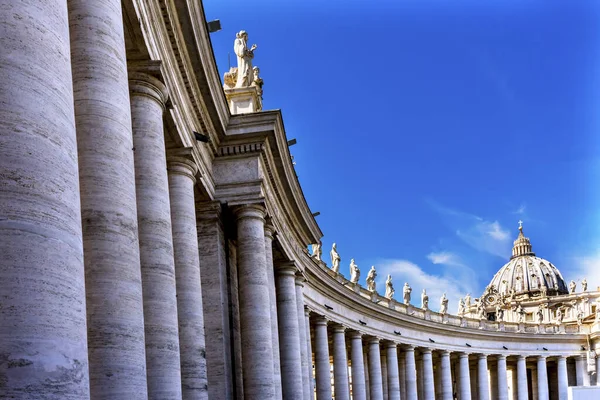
point(427, 129)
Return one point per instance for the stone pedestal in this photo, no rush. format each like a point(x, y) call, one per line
point(243, 100)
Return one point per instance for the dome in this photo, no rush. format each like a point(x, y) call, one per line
point(526, 274)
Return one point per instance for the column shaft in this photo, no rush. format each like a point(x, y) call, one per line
point(493, 377)
point(375, 381)
point(359, 391)
point(465, 377)
point(446, 376)
point(309, 354)
point(563, 380)
point(255, 310)
point(43, 333)
point(384, 373)
point(428, 383)
point(583, 378)
point(483, 386)
point(522, 391)
point(502, 378)
point(340, 364)
point(302, 331)
point(402, 374)
point(542, 378)
point(411, 373)
point(392, 371)
point(108, 201)
point(322, 360)
point(269, 230)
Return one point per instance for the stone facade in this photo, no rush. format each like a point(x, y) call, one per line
point(141, 260)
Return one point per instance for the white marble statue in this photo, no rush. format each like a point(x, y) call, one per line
point(597, 311)
point(520, 313)
point(559, 316)
point(443, 304)
point(245, 73)
point(335, 259)
point(461, 307)
point(371, 279)
point(499, 313)
point(584, 285)
point(354, 272)
point(257, 81)
point(406, 293)
point(424, 300)
point(468, 301)
point(316, 251)
point(580, 317)
point(540, 314)
point(389, 288)
point(572, 287)
point(481, 311)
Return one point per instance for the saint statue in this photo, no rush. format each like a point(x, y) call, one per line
point(354, 272)
point(371, 279)
point(257, 80)
point(443, 304)
point(461, 307)
point(406, 293)
point(520, 313)
point(540, 314)
point(559, 316)
point(424, 300)
point(580, 317)
point(335, 259)
point(389, 288)
point(572, 287)
point(245, 73)
point(481, 311)
point(584, 285)
point(316, 251)
point(468, 301)
point(499, 313)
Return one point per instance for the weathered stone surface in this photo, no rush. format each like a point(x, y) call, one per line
point(269, 231)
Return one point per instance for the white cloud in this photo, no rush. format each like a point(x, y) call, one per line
point(444, 258)
point(521, 209)
point(587, 267)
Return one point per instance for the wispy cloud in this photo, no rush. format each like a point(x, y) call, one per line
point(521, 210)
point(444, 258)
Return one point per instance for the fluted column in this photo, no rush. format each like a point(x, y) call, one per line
point(392, 371)
point(359, 391)
point(322, 359)
point(113, 285)
point(255, 310)
point(289, 338)
point(522, 391)
point(502, 378)
point(542, 378)
point(340, 364)
point(302, 330)
point(309, 355)
point(411, 373)
point(465, 377)
point(563, 380)
point(483, 388)
point(375, 381)
point(182, 171)
point(446, 376)
point(42, 289)
point(428, 384)
point(269, 231)
point(583, 378)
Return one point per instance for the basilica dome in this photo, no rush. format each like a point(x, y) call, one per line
point(527, 275)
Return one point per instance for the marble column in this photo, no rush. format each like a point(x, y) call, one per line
point(563, 381)
point(309, 354)
point(411, 373)
point(302, 329)
point(322, 359)
point(493, 377)
point(42, 288)
point(402, 374)
point(114, 301)
point(255, 310)
point(446, 375)
point(289, 337)
point(428, 384)
point(522, 391)
point(340, 364)
point(192, 347)
point(465, 377)
point(269, 231)
point(583, 378)
point(375, 381)
point(358, 368)
point(483, 386)
point(163, 366)
point(597, 370)
point(384, 374)
point(542, 378)
point(502, 378)
point(393, 377)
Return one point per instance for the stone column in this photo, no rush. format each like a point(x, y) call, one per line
point(42, 288)
point(340, 364)
point(393, 377)
point(269, 231)
point(309, 354)
point(194, 381)
point(522, 391)
point(322, 359)
point(446, 376)
point(402, 374)
point(493, 377)
point(384, 374)
point(163, 366)
point(411, 373)
point(302, 329)
point(502, 378)
point(375, 381)
point(113, 284)
point(542, 378)
point(583, 378)
point(359, 391)
point(563, 381)
point(255, 310)
point(428, 386)
point(465, 377)
point(483, 386)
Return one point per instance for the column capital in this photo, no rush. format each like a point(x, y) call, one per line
point(321, 320)
point(482, 356)
point(307, 311)
point(426, 350)
point(408, 347)
point(255, 211)
point(269, 230)
point(541, 357)
point(521, 357)
point(180, 161)
point(561, 356)
point(388, 344)
point(463, 355)
point(286, 268)
point(373, 340)
point(143, 84)
point(501, 356)
point(355, 334)
point(339, 328)
point(300, 278)
point(445, 353)
point(208, 210)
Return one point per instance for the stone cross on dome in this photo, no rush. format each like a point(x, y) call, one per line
point(520, 225)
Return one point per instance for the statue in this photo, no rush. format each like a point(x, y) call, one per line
point(354, 271)
point(468, 301)
point(257, 81)
point(371, 279)
point(335, 259)
point(559, 316)
point(481, 311)
point(389, 288)
point(406, 293)
point(572, 287)
point(520, 313)
point(584, 285)
point(424, 300)
point(316, 251)
point(597, 311)
point(443, 304)
point(499, 313)
point(580, 317)
point(544, 290)
point(540, 314)
point(245, 73)
point(461, 307)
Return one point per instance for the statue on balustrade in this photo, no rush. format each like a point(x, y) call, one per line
point(443, 304)
point(424, 300)
point(245, 72)
point(461, 307)
point(572, 287)
point(389, 288)
point(354, 272)
point(580, 317)
point(559, 316)
point(468, 301)
point(540, 314)
point(371, 279)
point(406, 293)
point(499, 313)
point(584, 285)
point(316, 251)
point(335, 259)
point(520, 313)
